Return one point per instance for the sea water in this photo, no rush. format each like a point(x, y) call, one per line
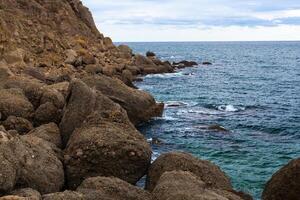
point(252, 90)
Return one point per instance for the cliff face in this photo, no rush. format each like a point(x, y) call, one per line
point(39, 31)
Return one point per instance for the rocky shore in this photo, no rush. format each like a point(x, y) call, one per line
point(68, 111)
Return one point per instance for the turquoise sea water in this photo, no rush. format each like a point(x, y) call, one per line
point(252, 89)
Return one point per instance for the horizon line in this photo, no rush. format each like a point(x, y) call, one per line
point(207, 41)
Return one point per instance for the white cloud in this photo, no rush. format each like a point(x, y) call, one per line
point(205, 20)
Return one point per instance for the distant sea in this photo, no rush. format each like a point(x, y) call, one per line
point(252, 90)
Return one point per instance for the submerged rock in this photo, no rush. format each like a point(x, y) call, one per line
point(284, 184)
point(111, 188)
point(206, 63)
point(205, 170)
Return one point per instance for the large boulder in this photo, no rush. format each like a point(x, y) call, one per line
point(14, 103)
point(27, 163)
point(140, 105)
point(32, 88)
point(209, 173)
point(49, 132)
point(284, 184)
point(111, 188)
point(47, 113)
point(101, 139)
point(178, 185)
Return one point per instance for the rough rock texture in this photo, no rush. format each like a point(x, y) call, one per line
point(180, 185)
point(28, 193)
point(49, 132)
point(284, 184)
point(26, 163)
point(14, 103)
point(66, 195)
point(104, 142)
point(17, 123)
point(111, 188)
point(140, 105)
point(205, 170)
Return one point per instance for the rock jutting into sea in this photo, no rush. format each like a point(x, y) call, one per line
point(69, 111)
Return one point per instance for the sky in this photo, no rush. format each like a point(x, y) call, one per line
point(197, 20)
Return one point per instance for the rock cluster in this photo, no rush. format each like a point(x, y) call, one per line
point(69, 111)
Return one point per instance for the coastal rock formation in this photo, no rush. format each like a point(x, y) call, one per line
point(48, 132)
point(209, 173)
point(179, 185)
point(28, 164)
point(140, 106)
point(104, 142)
point(285, 183)
point(111, 188)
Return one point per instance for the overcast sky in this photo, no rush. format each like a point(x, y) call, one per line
point(197, 20)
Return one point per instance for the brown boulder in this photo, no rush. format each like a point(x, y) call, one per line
point(140, 105)
point(178, 185)
point(47, 113)
point(30, 87)
point(284, 184)
point(17, 123)
point(48, 132)
point(205, 170)
point(27, 163)
point(66, 195)
point(14, 103)
point(106, 149)
point(111, 188)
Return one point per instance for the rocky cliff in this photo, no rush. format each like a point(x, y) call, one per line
point(68, 110)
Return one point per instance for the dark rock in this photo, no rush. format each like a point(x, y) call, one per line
point(206, 63)
point(217, 127)
point(47, 113)
point(17, 123)
point(35, 73)
point(14, 103)
point(140, 106)
point(285, 183)
point(150, 54)
point(180, 185)
point(184, 63)
point(66, 195)
point(111, 188)
point(205, 170)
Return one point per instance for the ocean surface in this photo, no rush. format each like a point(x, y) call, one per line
point(252, 90)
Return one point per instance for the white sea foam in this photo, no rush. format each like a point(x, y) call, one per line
point(166, 75)
point(175, 104)
point(230, 108)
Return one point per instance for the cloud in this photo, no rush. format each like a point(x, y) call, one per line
point(193, 14)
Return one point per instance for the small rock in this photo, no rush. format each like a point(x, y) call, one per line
point(17, 123)
point(150, 54)
point(206, 63)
